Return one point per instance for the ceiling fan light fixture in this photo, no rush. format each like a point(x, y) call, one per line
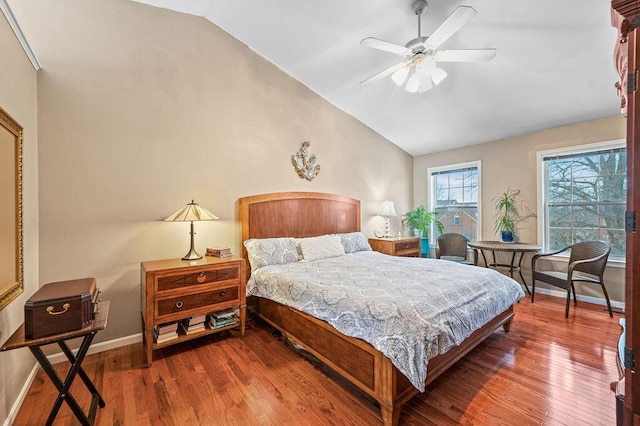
point(413, 83)
point(425, 83)
point(427, 65)
point(438, 74)
point(400, 76)
point(419, 70)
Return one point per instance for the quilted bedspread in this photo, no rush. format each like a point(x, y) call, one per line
point(410, 309)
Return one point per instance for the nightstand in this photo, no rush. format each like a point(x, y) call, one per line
point(175, 289)
point(408, 247)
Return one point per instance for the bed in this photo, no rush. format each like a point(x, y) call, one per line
point(310, 214)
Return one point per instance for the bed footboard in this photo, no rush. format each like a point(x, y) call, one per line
point(361, 363)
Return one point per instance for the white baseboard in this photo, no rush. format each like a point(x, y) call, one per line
point(100, 347)
point(60, 357)
point(21, 396)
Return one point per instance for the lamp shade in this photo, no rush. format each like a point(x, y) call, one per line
point(191, 212)
point(387, 209)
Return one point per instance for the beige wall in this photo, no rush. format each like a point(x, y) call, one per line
point(18, 96)
point(512, 163)
point(142, 109)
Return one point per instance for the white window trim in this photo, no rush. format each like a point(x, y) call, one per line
point(431, 203)
point(616, 143)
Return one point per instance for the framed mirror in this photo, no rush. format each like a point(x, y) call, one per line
point(11, 264)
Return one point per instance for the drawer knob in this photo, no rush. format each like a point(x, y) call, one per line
point(223, 292)
point(179, 304)
point(202, 277)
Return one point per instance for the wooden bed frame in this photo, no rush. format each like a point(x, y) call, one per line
point(307, 214)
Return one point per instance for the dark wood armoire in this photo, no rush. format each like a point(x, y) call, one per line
point(625, 15)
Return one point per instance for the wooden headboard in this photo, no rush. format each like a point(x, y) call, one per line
point(297, 214)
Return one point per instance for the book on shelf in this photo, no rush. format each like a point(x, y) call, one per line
point(223, 318)
point(166, 328)
point(196, 319)
point(191, 329)
point(224, 322)
point(166, 336)
point(226, 313)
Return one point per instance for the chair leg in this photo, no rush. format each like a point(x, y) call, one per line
point(566, 312)
point(573, 289)
point(606, 296)
point(533, 289)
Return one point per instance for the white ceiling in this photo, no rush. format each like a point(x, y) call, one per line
point(554, 64)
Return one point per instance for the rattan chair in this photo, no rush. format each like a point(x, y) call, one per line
point(589, 257)
point(453, 247)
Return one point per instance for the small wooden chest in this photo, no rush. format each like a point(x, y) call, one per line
point(60, 307)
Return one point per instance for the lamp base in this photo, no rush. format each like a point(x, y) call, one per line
point(192, 255)
point(387, 228)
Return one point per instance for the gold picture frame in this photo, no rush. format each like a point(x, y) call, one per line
point(11, 238)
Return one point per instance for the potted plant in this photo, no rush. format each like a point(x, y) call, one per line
point(507, 214)
point(421, 220)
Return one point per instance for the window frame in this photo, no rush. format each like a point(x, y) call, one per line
point(542, 189)
point(431, 196)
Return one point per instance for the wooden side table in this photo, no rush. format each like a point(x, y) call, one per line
point(409, 246)
point(17, 340)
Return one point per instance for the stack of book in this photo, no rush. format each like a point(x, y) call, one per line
point(165, 332)
point(223, 318)
point(219, 252)
point(193, 324)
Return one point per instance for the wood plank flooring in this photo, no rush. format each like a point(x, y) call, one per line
point(546, 371)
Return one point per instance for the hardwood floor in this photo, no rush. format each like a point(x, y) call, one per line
point(547, 370)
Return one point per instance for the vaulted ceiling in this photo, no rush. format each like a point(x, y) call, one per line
point(554, 64)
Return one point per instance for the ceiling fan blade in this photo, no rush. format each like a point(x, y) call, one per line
point(465, 55)
point(387, 46)
point(453, 23)
point(384, 73)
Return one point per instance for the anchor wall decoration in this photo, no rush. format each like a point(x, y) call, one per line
point(305, 164)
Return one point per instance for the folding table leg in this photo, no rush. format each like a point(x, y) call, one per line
point(55, 379)
point(87, 381)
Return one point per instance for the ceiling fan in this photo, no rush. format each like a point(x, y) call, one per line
point(418, 72)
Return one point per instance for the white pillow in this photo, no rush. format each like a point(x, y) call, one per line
point(321, 247)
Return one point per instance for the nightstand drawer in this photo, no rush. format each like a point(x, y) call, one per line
point(407, 245)
point(186, 303)
point(203, 277)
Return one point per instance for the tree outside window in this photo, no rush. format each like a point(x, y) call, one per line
point(585, 198)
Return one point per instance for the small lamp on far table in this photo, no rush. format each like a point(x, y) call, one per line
point(190, 213)
point(386, 210)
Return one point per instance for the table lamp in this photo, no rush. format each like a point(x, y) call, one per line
point(190, 213)
point(386, 210)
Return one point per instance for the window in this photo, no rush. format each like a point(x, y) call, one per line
point(455, 195)
point(584, 196)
